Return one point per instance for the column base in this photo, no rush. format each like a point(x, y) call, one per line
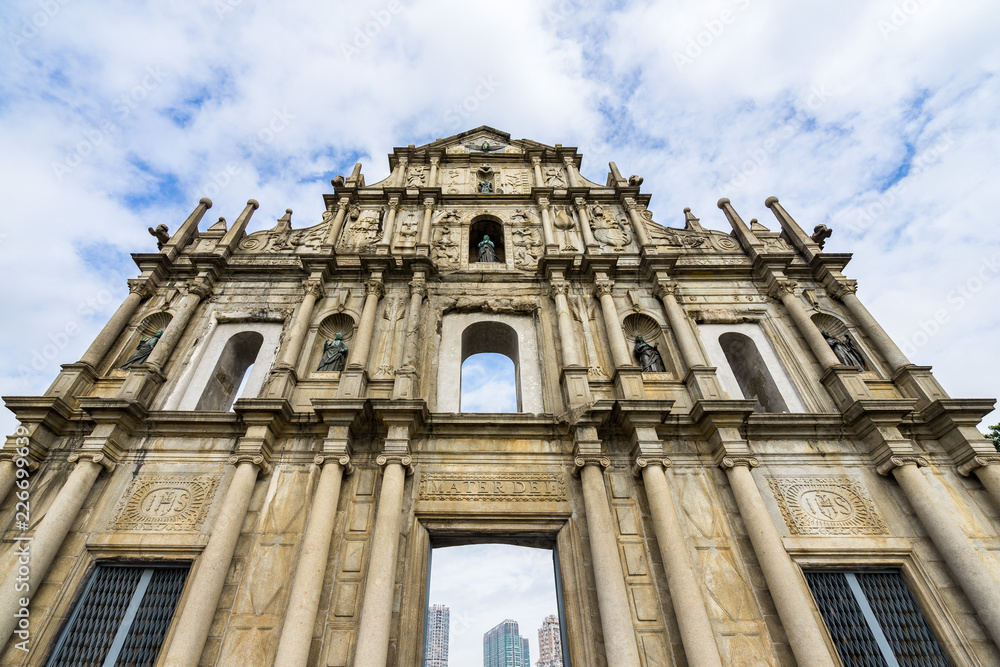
point(704, 384)
point(628, 381)
point(918, 382)
point(353, 383)
point(73, 381)
point(576, 387)
point(406, 382)
point(141, 384)
point(845, 385)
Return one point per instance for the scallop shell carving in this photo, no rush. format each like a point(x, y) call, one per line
point(339, 323)
point(830, 324)
point(154, 322)
point(637, 324)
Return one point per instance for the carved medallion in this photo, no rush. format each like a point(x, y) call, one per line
point(498, 487)
point(166, 503)
point(826, 506)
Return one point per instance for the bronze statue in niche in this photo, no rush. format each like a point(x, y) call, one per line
point(846, 352)
point(334, 354)
point(143, 350)
point(487, 251)
point(648, 356)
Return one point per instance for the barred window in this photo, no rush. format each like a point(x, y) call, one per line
point(121, 617)
point(874, 620)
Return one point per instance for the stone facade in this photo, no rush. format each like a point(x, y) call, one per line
point(684, 503)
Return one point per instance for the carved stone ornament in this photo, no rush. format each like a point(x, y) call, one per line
point(603, 288)
point(665, 288)
point(256, 459)
point(159, 503)
point(737, 461)
point(375, 287)
point(826, 506)
point(642, 462)
point(975, 462)
point(283, 239)
point(99, 458)
point(493, 487)
point(141, 287)
point(843, 288)
point(314, 287)
point(581, 462)
point(343, 460)
point(404, 460)
point(887, 466)
point(781, 287)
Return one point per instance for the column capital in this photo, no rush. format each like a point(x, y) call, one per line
point(418, 286)
point(664, 288)
point(559, 287)
point(536, 159)
point(200, 287)
point(435, 159)
point(739, 461)
point(603, 288)
point(893, 462)
point(404, 460)
point(979, 461)
point(581, 462)
point(393, 203)
point(543, 203)
point(100, 458)
point(247, 457)
point(581, 202)
point(314, 287)
point(375, 287)
point(630, 204)
point(343, 460)
point(140, 286)
point(428, 203)
point(842, 288)
point(780, 287)
point(642, 462)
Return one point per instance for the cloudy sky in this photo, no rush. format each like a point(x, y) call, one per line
point(483, 585)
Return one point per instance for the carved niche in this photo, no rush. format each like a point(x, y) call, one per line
point(826, 506)
point(159, 503)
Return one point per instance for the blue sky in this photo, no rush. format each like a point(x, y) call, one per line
point(875, 120)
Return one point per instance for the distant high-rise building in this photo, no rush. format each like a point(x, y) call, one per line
point(436, 641)
point(503, 646)
point(549, 643)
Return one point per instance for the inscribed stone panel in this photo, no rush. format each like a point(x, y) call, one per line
point(160, 503)
point(826, 506)
point(504, 487)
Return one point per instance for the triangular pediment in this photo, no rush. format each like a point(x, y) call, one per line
point(483, 140)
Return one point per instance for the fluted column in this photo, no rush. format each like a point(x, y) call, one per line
point(548, 233)
point(196, 291)
point(616, 337)
point(49, 537)
point(685, 591)
point(366, 327)
point(785, 291)
point(612, 596)
point(376, 610)
point(303, 599)
point(138, 290)
point(876, 334)
point(425, 225)
point(680, 324)
point(937, 516)
point(641, 233)
point(588, 233)
point(333, 234)
point(390, 223)
point(785, 583)
point(195, 618)
point(567, 338)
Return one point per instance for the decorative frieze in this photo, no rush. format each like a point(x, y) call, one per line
point(826, 506)
point(159, 503)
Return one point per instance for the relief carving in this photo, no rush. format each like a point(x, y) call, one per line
point(416, 176)
point(608, 229)
point(160, 503)
point(445, 250)
point(527, 247)
point(555, 177)
point(826, 506)
point(364, 233)
point(497, 487)
point(283, 239)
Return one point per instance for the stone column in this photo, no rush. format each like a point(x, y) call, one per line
point(138, 290)
point(49, 536)
point(571, 172)
point(536, 169)
point(390, 223)
point(303, 599)
point(876, 334)
point(432, 179)
point(567, 338)
point(612, 596)
point(680, 324)
point(547, 232)
point(195, 617)
point(785, 290)
point(785, 583)
point(333, 235)
point(425, 225)
point(943, 527)
point(196, 291)
point(8, 475)
point(588, 233)
point(406, 374)
point(685, 591)
point(376, 610)
point(296, 335)
point(641, 233)
point(186, 231)
point(987, 469)
point(616, 337)
point(358, 356)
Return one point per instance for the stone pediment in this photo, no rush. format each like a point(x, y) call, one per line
point(483, 140)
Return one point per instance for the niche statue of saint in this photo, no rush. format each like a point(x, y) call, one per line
point(487, 251)
point(334, 354)
point(846, 352)
point(143, 349)
point(648, 356)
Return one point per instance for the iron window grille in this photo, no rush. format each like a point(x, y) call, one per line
point(874, 620)
point(122, 616)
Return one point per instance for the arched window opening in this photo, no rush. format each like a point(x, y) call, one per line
point(490, 379)
point(478, 232)
point(752, 373)
point(228, 376)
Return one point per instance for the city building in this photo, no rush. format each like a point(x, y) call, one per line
point(549, 643)
point(436, 636)
point(503, 646)
point(730, 458)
